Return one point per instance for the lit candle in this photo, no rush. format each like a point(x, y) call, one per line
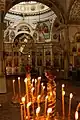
point(42, 92)
point(35, 88)
point(48, 113)
point(42, 84)
point(14, 87)
point(22, 112)
point(63, 93)
point(37, 113)
point(32, 90)
point(26, 85)
point(28, 111)
point(38, 100)
point(19, 86)
point(32, 82)
point(46, 101)
point(23, 102)
point(71, 95)
point(76, 115)
point(41, 89)
point(38, 86)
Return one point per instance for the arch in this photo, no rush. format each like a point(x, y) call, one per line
point(24, 35)
point(71, 4)
point(74, 12)
point(29, 27)
point(50, 3)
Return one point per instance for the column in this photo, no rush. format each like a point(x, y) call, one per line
point(51, 57)
point(36, 59)
point(44, 62)
point(2, 70)
point(13, 69)
point(66, 52)
point(19, 60)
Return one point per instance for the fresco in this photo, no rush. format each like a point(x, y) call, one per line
point(43, 29)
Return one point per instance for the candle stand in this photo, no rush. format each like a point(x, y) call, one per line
point(38, 99)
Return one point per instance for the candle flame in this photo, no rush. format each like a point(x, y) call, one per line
point(18, 78)
point(42, 84)
point(38, 110)
point(49, 110)
point(43, 87)
point(23, 99)
point(28, 104)
point(63, 85)
point(71, 95)
point(47, 97)
point(25, 80)
point(39, 78)
point(76, 115)
point(38, 97)
point(32, 80)
point(35, 81)
point(13, 81)
point(32, 89)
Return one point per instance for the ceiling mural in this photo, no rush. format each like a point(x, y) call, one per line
point(29, 8)
point(75, 12)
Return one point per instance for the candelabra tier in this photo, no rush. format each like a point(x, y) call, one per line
point(39, 101)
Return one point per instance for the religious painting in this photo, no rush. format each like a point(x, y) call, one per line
point(43, 29)
point(77, 61)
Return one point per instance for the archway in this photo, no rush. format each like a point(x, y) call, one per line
point(51, 4)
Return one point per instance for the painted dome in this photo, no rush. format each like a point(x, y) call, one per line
point(29, 8)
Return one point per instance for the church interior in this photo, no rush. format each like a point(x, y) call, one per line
point(39, 40)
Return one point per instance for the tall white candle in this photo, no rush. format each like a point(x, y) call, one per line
point(63, 93)
point(26, 85)
point(14, 87)
point(19, 86)
point(37, 113)
point(46, 104)
point(69, 112)
point(22, 112)
point(28, 111)
point(38, 86)
point(23, 102)
point(32, 82)
point(41, 89)
point(32, 90)
point(48, 113)
point(35, 88)
point(38, 100)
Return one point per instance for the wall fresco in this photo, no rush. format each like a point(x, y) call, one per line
point(43, 29)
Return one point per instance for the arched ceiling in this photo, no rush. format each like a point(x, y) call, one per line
point(74, 15)
point(53, 4)
point(29, 8)
point(67, 11)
